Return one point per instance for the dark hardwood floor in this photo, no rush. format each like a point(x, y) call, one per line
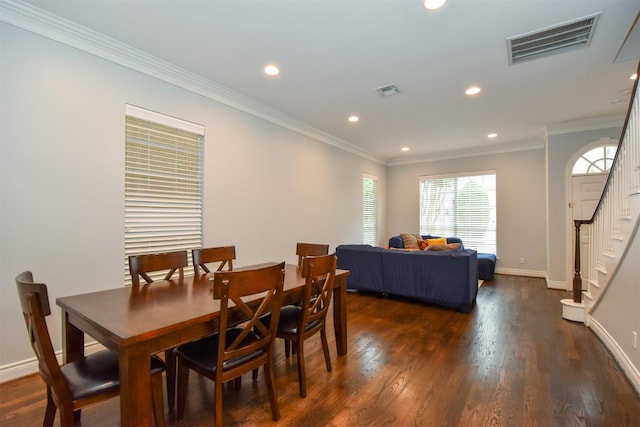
point(513, 361)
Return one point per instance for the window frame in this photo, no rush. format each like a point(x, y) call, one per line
point(369, 208)
point(456, 211)
point(163, 179)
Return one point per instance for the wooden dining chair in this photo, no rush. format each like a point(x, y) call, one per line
point(139, 266)
point(222, 254)
point(300, 322)
point(310, 249)
point(236, 348)
point(80, 383)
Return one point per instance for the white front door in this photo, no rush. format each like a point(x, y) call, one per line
point(586, 193)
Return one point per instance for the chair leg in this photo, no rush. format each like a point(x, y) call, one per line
point(158, 401)
point(287, 348)
point(50, 413)
point(271, 388)
point(325, 348)
point(170, 361)
point(301, 371)
point(183, 382)
point(254, 374)
point(67, 418)
point(217, 396)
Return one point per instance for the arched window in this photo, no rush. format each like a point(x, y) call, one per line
point(596, 160)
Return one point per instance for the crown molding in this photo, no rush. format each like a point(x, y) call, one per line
point(595, 123)
point(38, 21)
point(461, 154)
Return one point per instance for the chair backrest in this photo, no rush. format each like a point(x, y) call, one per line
point(34, 300)
point(255, 293)
point(319, 273)
point(223, 254)
point(310, 249)
point(140, 265)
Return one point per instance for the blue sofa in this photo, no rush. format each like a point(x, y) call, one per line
point(446, 278)
point(486, 262)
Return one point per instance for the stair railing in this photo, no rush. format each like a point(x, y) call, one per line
point(623, 180)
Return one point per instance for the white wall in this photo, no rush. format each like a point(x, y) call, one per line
point(62, 177)
point(618, 315)
point(521, 222)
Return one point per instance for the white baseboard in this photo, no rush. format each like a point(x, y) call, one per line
point(558, 285)
point(520, 272)
point(631, 372)
point(30, 366)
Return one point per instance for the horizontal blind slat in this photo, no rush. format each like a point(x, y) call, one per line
point(163, 189)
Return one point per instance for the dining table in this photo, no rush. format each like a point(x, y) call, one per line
point(138, 321)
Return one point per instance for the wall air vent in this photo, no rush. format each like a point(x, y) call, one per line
point(552, 40)
point(388, 90)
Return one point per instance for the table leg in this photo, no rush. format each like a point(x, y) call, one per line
point(340, 314)
point(72, 340)
point(135, 388)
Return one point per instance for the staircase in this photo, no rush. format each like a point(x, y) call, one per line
point(614, 223)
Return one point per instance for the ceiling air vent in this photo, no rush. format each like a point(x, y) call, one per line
point(552, 40)
point(388, 90)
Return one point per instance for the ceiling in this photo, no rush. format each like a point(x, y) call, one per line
point(333, 54)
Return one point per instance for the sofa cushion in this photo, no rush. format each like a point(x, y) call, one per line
point(410, 241)
point(447, 247)
point(438, 241)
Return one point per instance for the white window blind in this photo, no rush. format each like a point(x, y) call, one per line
point(461, 206)
point(369, 210)
point(163, 184)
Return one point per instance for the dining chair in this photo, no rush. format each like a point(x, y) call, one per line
point(232, 351)
point(300, 322)
point(222, 254)
point(80, 383)
point(139, 266)
point(310, 249)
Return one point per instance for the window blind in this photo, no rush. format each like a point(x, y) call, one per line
point(369, 210)
point(461, 206)
point(163, 186)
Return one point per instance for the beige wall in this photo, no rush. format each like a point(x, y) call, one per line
point(62, 177)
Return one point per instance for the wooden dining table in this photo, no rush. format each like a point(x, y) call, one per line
point(138, 321)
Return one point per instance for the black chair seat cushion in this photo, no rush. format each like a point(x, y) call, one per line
point(202, 354)
point(98, 372)
point(290, 319)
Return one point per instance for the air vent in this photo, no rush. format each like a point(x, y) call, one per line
point(552, 40)
point(388, 90)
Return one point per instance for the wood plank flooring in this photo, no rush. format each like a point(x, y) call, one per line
point(513, 361)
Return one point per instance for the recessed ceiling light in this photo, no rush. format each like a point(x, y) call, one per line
point(492, 135)
point(434, 4)
point(354, 119)
point(633, 77)
point(473, 90)
point(405, 148)
point(271, 70)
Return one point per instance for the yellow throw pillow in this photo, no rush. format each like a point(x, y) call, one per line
point(410, 241)
point(440, 241)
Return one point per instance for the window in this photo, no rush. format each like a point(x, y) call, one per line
point(596, 160)
point(163, 184)
point(461, 206)
point(369, 210)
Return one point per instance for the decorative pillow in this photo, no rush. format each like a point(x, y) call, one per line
point(410, 241)
point(440, 241)
point(440, 247)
